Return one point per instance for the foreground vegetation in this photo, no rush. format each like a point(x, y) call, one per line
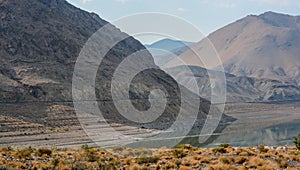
point(183, 157)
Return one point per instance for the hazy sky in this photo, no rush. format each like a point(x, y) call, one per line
point(206, 15)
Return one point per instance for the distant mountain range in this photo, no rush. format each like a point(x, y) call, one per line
point(169, 45)
point(167, 49)
point(264, 49)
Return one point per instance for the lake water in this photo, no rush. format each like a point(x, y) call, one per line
point(275, 135)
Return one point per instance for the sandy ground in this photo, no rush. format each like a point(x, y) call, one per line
point(58, 126)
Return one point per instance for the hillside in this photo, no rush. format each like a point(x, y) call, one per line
point(260, 52)
point(40, 42)
point(263, 46)
point(239, 88)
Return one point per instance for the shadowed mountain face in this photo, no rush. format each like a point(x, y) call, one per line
point(264, 46)
point(40, 41)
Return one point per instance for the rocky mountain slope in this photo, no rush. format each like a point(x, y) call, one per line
point(40, 41)
point(239, 88)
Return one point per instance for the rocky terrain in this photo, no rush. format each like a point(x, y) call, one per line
point(239, 88)
point(40, 42)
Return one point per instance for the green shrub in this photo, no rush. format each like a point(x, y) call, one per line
point(25, 153)
point(224, 145)
point(55, 162)
point(296, 141)
point(219, 150)
point(179, 153)
point(92, 155)
point(86, 147)
point(225, 161)
point(143, 160)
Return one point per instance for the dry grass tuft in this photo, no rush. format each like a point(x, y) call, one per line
point(183, 157)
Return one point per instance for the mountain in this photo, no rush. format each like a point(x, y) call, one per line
point(238, 88)
point(40, 41)
point(263, 46)
point(169, 44)
point(261, 53)
point(167, 49)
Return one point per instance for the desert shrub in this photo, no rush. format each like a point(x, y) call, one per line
point(240, 160)
point(224, 145)
point(127, 161)
point(205, 160)
point(3, 168)
point(141, 152)
point(225, 160)
point(92, 156)
point(25, 153)
point(185, 168)
point(85, 147)
point(296, 153)
point(151, 159)
point(220, 167)
point(219, 150)
point(255, 161)
point(282, 163)
point(262, 148)
point(43, 151)
point(296, 141)
point(6, 149)
point(179, 153)
point(55, 162)
point(170, 165)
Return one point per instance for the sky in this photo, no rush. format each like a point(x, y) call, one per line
point(206, 15)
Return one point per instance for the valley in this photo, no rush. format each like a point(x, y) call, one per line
point(58, 126)
point(74, 87)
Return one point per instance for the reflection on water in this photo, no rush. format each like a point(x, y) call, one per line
point(275, 135)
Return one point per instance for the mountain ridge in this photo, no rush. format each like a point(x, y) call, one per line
point(261, 46)
point(261, 51)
